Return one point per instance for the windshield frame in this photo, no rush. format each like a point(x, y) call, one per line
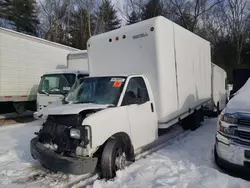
point(41, 91)
point(121, 89)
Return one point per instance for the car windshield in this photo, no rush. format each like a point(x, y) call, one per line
point(56, 83)
point(97, 90)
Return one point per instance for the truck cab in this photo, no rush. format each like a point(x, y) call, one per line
point(54, 85)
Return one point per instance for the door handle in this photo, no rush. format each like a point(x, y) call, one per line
point(152, 107)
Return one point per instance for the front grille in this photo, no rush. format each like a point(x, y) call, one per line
point(59, 134)
point(244, 135)
point(244, 121)
point(238, 141)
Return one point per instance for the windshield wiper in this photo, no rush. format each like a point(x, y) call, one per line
point(44, 92)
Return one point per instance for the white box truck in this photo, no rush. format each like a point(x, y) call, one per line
point(55, 84)
point(143, 77)
point(219, 88)
point(23, 59)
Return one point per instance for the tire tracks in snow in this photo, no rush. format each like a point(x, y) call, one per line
point(171, 134)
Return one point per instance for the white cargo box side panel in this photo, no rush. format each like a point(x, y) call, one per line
point(152, 53)
point(23, 60)
point(193, 69)
point(219, 86)
point(167, 87)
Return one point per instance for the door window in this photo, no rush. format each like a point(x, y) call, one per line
point(136, 92)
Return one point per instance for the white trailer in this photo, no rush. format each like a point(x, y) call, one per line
point(143, 77)
point(23, 59)
point(55, 84)
point(219, 90)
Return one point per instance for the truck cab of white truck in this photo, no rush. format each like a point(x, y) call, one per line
point(54, 85)
point(143, 77)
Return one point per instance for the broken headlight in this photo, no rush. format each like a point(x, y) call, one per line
point(75, 133)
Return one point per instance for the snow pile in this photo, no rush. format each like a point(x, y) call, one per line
point(18, 168)
point(14, 151)
point(186, 162)
point(241, 100)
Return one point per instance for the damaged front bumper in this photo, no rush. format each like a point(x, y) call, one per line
point(56, 162)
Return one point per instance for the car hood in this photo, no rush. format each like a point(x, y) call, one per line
point(241, 100)
point(71, 108)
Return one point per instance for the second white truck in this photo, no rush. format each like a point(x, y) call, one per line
point(219, 89)
point(143, 77)
point(55, 84)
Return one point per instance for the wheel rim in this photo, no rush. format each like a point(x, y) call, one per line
point(120, 159)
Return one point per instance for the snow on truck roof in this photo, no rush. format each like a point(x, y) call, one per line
point(218, 67)
point(29, 37)
point(241, 101)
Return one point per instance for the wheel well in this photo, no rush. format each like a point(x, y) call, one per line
point(126, 142)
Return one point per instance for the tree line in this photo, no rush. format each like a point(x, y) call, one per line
point(225, 23)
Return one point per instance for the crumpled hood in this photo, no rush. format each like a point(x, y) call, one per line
point(71, 108)
point(241, 101)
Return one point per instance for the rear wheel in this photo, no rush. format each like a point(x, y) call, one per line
point(113, 158)
point(201, 115)
point(192, 122)
point(195, 120)
point(20, 107)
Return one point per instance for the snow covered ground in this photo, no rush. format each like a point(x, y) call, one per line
point(185, 162)
point(17, 167)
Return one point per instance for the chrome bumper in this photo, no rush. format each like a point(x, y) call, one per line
point(232, 152)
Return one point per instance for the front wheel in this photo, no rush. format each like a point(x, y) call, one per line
point(113, 158)
point(216, 160)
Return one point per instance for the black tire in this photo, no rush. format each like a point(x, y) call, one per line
point(192, 122)
point(218, 109)
point(195, 121)
point(216, 160)
point(109, 158)
point(186, 123)
point(201, 115)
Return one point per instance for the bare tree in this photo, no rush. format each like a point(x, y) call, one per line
point(213, 26)
point(135, 6)
point(53, 16)
point(89, 5)
point(236, 14)
point(188, 13)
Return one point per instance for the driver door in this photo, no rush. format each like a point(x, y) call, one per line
point(141, 113)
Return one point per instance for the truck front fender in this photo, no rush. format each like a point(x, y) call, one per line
point(106, 123)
